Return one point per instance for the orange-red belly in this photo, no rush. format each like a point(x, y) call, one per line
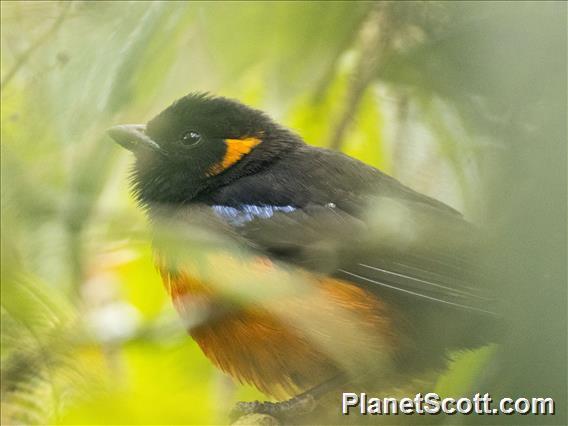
point(292, 341)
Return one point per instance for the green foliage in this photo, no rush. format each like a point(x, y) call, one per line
point(69, 225)
point(88, 333)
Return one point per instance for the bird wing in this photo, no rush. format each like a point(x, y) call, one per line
point(404, 248)
point(335, 215)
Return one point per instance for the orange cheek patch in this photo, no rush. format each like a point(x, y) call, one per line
point(236, 149)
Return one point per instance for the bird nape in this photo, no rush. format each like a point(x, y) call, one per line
point(298, 269)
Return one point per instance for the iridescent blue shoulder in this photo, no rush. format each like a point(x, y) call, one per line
point(238, 216)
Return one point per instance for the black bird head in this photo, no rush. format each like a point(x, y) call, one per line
point(198, 143)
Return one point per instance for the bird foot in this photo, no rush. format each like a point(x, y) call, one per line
point(297, 406)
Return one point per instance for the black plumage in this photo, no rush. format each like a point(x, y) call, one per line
point(320, 210)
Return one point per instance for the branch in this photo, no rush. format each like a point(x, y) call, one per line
point(23, 58)
point(256, 420)
point(374, 39)
point(389, 28)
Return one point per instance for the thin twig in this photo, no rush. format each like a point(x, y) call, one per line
point(374, 38)
point(23, 58)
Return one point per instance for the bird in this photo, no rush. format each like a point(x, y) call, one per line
point(298, 268)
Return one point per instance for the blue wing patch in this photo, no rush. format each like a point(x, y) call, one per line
point(238, 216)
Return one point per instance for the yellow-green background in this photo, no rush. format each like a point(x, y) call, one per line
point(88, 335)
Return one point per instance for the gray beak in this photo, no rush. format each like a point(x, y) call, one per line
point(132, 137)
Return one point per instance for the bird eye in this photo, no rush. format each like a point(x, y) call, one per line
point(191, 138)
